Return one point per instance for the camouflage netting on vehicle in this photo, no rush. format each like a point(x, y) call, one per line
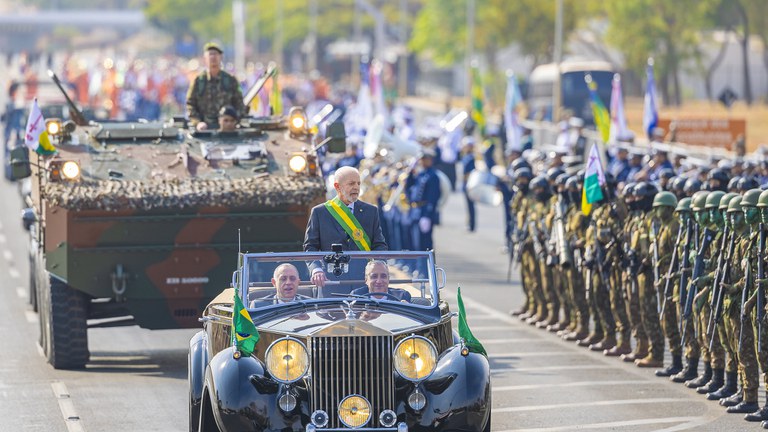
point(156, 194)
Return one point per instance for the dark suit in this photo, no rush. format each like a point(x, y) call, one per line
point(401, 294)
point(323, 230)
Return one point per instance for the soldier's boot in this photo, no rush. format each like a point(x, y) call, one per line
point(764, 424)
point(728, 388)
point(581, 332)
point(641, 350)
point(519, 311)
point(606, 343)
point(592, 338)
point(674, 368)
point(649, 361)
point(701, 379)
point(689, 372)
point(538, 316)
point(567, 330)
point(623, 347)
point(747, 405)
point(550, 319)
point(560, 325)
point(733, 399)
point(714, 383)
point(761, 414)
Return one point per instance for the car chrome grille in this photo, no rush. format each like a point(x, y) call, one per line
point(345, 365)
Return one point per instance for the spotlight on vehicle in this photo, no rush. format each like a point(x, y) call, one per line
point(53, 127)
point(298, 163)
point(297, 121)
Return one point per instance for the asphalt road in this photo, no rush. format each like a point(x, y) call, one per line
point(136, 379)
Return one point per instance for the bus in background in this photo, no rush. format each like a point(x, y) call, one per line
point(554, 89)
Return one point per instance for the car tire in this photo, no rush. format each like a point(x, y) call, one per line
point(64, 325)
point(488, 425)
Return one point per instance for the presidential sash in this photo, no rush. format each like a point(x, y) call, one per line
point(349, 223)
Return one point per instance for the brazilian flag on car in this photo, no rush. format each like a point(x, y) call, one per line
point(245, 333)
point(465, 333)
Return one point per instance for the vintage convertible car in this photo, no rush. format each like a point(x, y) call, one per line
point(333, 360)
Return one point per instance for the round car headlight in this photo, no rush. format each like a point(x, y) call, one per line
point(298, 163)
point(287, 360)
point(70, 170)
point(53, 126)
point(415, 358)
point(354, 411)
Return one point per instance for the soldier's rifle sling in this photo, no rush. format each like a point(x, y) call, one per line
point(674, 263)
point(744, 295)
point(760, 314)
point(721, 256)
point(698, 270)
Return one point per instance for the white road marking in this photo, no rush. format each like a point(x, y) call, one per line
point(67, 408)
point(609, 425)
point(483, 309)
point(12, 272)
point(694, 424)
point(21, 292)
point(571, 384)
point(549, 368)
point(529, 354)
point(7, 255)
point(31, 316)
point(591, 404)
point(510, 341)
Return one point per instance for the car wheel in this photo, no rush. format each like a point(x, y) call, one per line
point(207, 421)
point(64, 324)
point(488, 425)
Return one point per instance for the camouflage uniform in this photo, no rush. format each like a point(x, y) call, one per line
point(609, 232)
point(207, 95)
point(599, 295)
point(559, 283)
point(575, 224)
point(632, 299)
point(546, 281)
point(649, 312)
point(529, 266)
point(665, 240)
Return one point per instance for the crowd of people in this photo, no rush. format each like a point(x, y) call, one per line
point(670, 252)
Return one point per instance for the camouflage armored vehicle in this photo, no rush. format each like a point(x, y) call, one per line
point(138, 223)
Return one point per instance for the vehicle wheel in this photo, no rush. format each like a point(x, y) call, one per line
point(207, 421)
point(64, 325)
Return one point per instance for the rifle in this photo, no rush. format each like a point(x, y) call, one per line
point(673, 266)
point(564, 253)
point(718, 294)
point(760, 314)
point(655, 257)
point(698, 269)
point(683, 272)
point(744, 296)
point(600, 260)
point(538, 248)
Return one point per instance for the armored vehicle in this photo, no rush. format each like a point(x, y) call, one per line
point(139, 223)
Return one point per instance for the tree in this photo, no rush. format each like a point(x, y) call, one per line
point(665, 30)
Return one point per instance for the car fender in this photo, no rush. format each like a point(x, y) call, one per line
point(197, 360)
point(243, 397)
point(458, 393)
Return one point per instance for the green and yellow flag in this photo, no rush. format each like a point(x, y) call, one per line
point(465, 333)
point(245, 333)
point(602, 117)
point(478, 96)
point(276, 97)
point(349, 223)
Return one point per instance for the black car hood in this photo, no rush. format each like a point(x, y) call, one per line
point(335, 321)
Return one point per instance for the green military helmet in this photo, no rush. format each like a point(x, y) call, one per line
point(699, 200)
point(735, 204)
point(762, 201)
point(713, 199)
point(751, 197)
point(726, 199)
point(684, 205)
point(664, 198)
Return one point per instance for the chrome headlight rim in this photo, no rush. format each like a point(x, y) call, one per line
point(433, 350)
point(269, 351)
point(369, 407)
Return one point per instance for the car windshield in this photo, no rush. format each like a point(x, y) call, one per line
point(395, 277)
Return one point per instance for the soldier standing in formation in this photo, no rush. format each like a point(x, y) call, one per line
point(682, 264)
